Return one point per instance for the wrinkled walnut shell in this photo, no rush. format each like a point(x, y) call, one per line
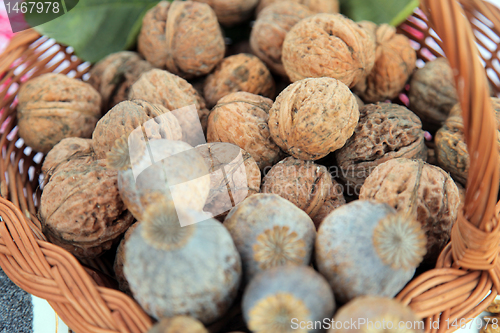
point(81, 209)
point(451, 149)
point(313, 117)
point(173, 92)
point(316, 6)
point(231, 12)
point(113, 76)
point(334, 200)
point(328, 45)
point(65, 150)
point(270, 28)
point(53, 107)
point(241, 72)
point(306, 184)
point(395, 61)
point(251, 113)
point(432, 92)
point(385, 131)
point(183, 36)
point(401, 182)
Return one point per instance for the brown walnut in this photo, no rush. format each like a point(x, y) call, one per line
point(65, 150)
point(53, 107)
point(231, 12)
point(334, 200)
point(316, 6)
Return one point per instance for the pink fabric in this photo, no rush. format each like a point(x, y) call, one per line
point(5, 30)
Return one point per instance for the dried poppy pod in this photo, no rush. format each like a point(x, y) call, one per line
point(251, 113)
point(305, 184)
point(234, 176)
point(241, 72)
point(376, 312)
point(183, 37)
point(52, 107)
point(367, 248)
point(385, 131)
point(334, 200)
point(270, 231)
point(270, 28)
point(177, 173)
point(395, 61)
point(313, 117)
point(425, 189)
point(178, 324)
point(328, 45)
point(316, 6)
point(173, 92)
point(81, 209)
point(65, 150)
point(128, 116)
point(432, 92)
point(120, 259)
point(232, 12)
point(451, 149)
point(113, 76)
point(175, 270)
point(282, 299)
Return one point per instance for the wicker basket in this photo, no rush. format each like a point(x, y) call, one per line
point(467, 269)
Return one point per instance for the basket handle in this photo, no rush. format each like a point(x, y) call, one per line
point(467, 269)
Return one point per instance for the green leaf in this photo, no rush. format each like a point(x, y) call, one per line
point(97, 28)
point(391, 12)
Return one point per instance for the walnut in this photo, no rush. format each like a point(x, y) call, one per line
point(126, 116)
point(173, 92)
point(328, 45)
point(334, 200)
point(64, 150)
point(120, 259)
point(451, 149)
point(415, 187)
point(395, 61)
point(251, 113)
point(313, 117)
point(494, 306)
point(178, 324)
point(306, 184)
point(316, 6)
point(81, 209)
point(432, 92)
point(183, 36)
point(52, 107)
point(232, 12)
point(241, 72)
point(270, 28)
point(234, 176)
point(385, 131)
point(113, 76)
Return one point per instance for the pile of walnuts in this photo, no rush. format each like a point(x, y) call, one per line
point(212, 169)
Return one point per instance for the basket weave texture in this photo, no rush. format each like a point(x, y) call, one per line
point(467, 270)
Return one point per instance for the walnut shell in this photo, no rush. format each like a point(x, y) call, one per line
point(113, 76)
point(270, 28)
point(316, 6)
point(81, 209)
point(328, 45)
point(120, 259)
point(178, 324)
point(183, 36)
point(64, 150)
point(173, 92)
point(241, 72)
point(127, 116)
point(418, 188)
point(313, 117)
point(432, 92)
point(306, 184)
point(385, 131)
point(334, 200)
point(53, 107)
point(251, 113)
point(395, 61)
point(234, 176)
point(232, 12)
point(451, 149)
